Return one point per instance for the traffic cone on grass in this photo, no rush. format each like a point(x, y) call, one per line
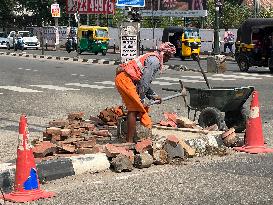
point(26, 187)
point(254, 140)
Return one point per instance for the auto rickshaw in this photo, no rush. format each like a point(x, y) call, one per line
point(93, 39)
point(186, 40)
point(254, 44)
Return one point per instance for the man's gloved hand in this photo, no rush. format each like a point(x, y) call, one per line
point(157, 97)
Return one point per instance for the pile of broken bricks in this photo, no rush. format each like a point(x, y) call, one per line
point(75, 136)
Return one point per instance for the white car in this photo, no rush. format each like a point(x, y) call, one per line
point(3, 40)
point(29, 40)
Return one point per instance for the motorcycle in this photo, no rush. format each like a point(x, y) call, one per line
point(71, 44)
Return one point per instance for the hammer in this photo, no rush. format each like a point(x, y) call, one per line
point(182, 93)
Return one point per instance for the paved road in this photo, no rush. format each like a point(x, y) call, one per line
point(46, 90)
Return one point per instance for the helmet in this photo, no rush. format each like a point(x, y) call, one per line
point(167, 48)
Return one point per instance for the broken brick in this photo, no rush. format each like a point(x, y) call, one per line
point(65, 132)
point(228, 132)
point(213, 127)
point(189, 151)
point(184, 122)
point(88, 150)
point(114, 151)
point(75, 116)
point(59, 123)
point(122, 163)
point(75, 132)
point(43, 149)
point(55, 138)
point(68, 148)
point(173, 140)
point(88, 126)
point(144, 145)
point(127, 145)
point(85, 144)
point(160, 157)
point(143, 160)
point(231, 140)
point(53, 130)
point(176, 151)
point(103, 133)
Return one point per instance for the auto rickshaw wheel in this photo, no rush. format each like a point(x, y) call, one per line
point(237, 119)
point(182, 57)
point(271, 69)
point(210, 116)
point(243, 64)
point(104, 52)
point(96, 53)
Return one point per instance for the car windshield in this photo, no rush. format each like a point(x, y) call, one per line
point(25, 34)
point(102, 33)
point(191, 34)
point(3, 35)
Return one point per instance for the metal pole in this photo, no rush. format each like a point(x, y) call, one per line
point(255, 8)
point(42, 40)
point(216, 29)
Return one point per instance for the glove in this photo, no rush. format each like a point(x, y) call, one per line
point(157, 97)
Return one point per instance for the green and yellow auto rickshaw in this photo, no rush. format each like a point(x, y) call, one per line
point(93, 39)
point(186, 40)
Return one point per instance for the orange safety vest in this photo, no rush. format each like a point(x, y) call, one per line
point(135, 67)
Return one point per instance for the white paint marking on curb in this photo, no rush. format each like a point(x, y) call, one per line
point(27, 69)
point(54, 87)
point(74, 74)
point(19, 68)
point(82, 75)
point(88, 86)
point(35, 70)
point(106, 82)
point(163, 83)
point(255, 75)
point(1, 93)
point(19, 89)
point(183, 80)
point(237, 77)
point(90, 163)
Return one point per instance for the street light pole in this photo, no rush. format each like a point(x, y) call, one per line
point(216, 28)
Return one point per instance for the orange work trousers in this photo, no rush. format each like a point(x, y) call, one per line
point(130, 97)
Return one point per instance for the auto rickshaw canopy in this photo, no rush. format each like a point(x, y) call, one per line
point(178, 30)
point(249, 26)
point(96, 32)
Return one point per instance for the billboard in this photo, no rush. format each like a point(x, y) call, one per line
point(182, 5)
point(175, 8)
point(90, 6)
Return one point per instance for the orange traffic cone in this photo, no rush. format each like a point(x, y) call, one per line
point(26, 187)
point(254, 140)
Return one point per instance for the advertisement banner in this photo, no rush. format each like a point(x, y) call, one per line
point(182, 5)
point(55, 10)
point(90, 6)
point(132, 3)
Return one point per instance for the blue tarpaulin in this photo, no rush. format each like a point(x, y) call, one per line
point(134, 3)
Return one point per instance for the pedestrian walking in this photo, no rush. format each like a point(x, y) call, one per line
point(228, 40)
point(133, 82)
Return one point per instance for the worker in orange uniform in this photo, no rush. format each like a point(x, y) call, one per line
point(133, 80)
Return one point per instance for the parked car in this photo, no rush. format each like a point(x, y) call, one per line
point(3, 40)
point(29, 40)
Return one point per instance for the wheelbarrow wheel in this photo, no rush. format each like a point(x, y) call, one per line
point(237, 119)
point(210, 116)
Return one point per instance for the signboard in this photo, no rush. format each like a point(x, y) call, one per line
point(55, 10)
point(132, 3)
point(129, 41)
point(90, 6)
point(175, 13)
point(176, 8)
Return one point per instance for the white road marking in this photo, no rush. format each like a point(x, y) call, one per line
point(1, 93)
point(163, 83)
point(27, 69)
point(255, 75)
point(238, 77)
point(74, 74)
point(19, 68)
point(197, 77)
point(82, 75)
point(88, 86)
point(19, 89)
point(183, 80)
point(35, 70)
point(106, 82)
point(54, 87)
